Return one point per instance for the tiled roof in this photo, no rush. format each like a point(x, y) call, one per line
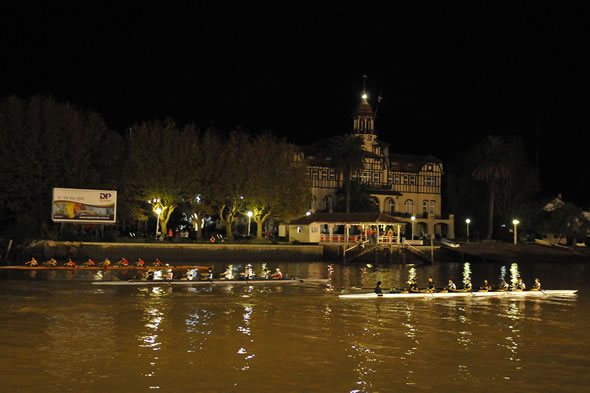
point(347, 218)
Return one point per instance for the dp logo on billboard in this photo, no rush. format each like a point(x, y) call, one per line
point(105, 195)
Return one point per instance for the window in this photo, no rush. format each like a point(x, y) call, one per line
point(405, 179)
point(391, 207)
point(429, 167)
point(332, 174)
point(432, 206)
point(365, 177)
point(298, 229)
point(314, 173)
point(429, 181)
point(314, 228)
point(324, 174)
point(396, 179)
point(328, 203)
point(413, 180)
point(425, 207)
point(376, 177)
point(409, 206)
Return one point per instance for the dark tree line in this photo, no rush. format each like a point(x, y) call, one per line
point(46, 144)
point(494, 183)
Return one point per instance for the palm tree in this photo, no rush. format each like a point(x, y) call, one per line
point(490, 163)
point(361, 200)
point(348, 157)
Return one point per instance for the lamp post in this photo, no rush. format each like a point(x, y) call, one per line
point(156, 208)
point(515, 222)
point(249, 216)
point(467, 221)
point(158, 211)
point(413, 218)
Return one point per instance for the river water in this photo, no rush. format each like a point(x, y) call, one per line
point(62, 334)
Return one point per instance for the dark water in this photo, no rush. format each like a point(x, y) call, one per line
point(61, 334)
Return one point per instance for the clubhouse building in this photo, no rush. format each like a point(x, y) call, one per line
point(402, 186)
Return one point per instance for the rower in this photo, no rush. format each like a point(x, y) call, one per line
point(157, 262)
point(265, 273)
point(248, 274)
point(467, 287)
point(504, 286)
point(536, 285)
point(70, 263)
point(227, 274)
point(413, 286)
point(451, 287)
point(169, 274)
point(123, 262)
point(431, 287)
point(51, 262)
point(190, 274)
point(520, 285)
point(485, 287)
point(378, 290)
point(32, 262)
point(106, 262)
point(208, 275)
point(277, 275)
point(89, 262)
point(140, 262)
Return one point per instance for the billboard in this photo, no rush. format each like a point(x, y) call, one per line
point(84, 206)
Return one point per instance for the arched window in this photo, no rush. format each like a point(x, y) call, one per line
point(409, 206)
point(328, 203)
point(390, 206)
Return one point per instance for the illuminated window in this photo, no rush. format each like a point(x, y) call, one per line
point(429, 181)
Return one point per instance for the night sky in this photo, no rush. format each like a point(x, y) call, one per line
point(449, 74)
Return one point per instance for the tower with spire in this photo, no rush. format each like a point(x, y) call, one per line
point(364, 120)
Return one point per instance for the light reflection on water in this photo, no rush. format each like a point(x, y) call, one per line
point(247, 338)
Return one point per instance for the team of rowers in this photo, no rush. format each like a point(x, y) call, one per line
point(468, 287)
point(90, 263)
point(191, 274)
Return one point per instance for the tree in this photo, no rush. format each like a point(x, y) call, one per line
point(489, 160)
point(162, 166)
point(226, 181)
point(46, 144)
point(348, 157)
point(515, 191)
point(361, 200)
point(277, 181)
point(566, 220)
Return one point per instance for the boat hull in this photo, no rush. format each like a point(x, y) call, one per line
point(563, 292)
point(212, 282)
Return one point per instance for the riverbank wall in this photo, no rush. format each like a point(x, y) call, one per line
point(174, 252)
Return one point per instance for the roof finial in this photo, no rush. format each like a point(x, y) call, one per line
point(364, 96)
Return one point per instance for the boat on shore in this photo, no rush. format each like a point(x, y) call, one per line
point(547, 292)
point(288, 281)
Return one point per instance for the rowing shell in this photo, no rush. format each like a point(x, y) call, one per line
point(101, 267)
point(213, 282)
point(562, 292)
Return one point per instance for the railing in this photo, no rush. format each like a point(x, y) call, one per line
point(358, 239)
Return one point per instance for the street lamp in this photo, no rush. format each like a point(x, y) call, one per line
point(158, 211)
point(249, 216)
point(413, 218)
point(515, 222)
point(467, 221)
point(157, 208)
